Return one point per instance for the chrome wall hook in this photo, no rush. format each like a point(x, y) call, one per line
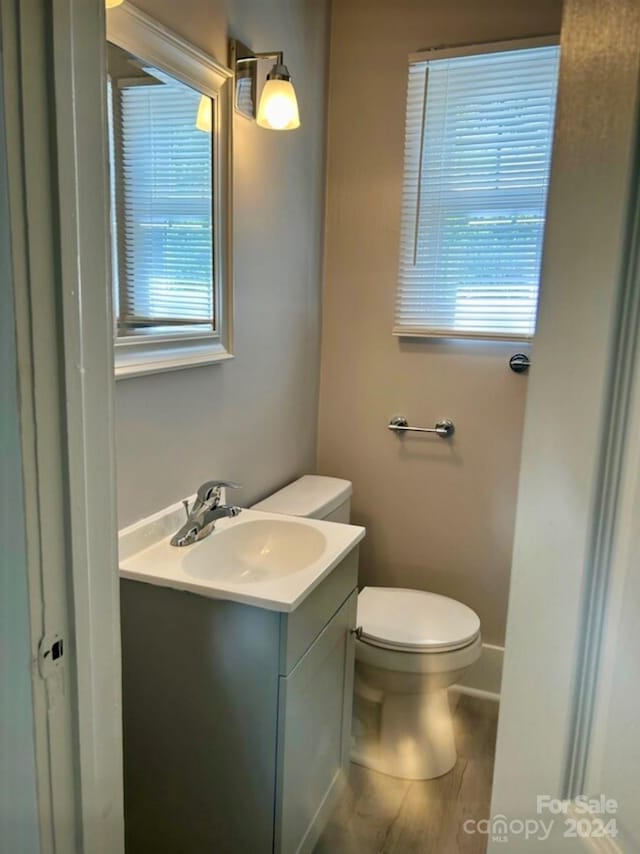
point(520, 363)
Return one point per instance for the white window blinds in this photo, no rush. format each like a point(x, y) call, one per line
point(479, 132)
point(164, 203)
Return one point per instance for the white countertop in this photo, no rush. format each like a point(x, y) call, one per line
point(257, 565)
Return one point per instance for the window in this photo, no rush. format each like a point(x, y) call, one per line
point(478, 141)
point(169, 110)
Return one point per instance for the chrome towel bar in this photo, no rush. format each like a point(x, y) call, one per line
point(400, 426)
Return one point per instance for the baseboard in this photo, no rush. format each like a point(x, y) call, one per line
point(485, 677)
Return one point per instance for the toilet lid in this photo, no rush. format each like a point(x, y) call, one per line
point(415, 620)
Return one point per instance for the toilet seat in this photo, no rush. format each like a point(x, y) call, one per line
point(415, 621)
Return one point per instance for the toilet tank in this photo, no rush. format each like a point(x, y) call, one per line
point(313, 496)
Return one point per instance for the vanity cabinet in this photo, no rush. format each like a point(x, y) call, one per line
point(236, 719)
point(314, 731)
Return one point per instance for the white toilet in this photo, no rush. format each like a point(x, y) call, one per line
point(411, 647)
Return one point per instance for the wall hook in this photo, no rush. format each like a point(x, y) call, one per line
point(520, 363)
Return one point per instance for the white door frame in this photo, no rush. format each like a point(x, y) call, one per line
point(80, 105)
point(606, 738)
point(19, 818)
point(576, 420)
point(53, 61)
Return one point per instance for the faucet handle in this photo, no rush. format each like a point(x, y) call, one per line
point(211, 489)
point(185, 504)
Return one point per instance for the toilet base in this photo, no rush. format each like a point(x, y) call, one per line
point(412, 737)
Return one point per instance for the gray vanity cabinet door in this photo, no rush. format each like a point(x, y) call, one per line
point(314, 728)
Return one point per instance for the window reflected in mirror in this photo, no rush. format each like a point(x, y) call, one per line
point(161, 156)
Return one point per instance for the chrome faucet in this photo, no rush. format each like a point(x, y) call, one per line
point(204, 513)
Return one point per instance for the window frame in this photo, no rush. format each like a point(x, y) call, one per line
point(141, 36)
point(525, 43)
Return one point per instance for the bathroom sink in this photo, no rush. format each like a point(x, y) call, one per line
point(269, 560)
point(258, 550)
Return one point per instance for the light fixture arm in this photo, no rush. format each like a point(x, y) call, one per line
point(243, 55)
point(277, 57)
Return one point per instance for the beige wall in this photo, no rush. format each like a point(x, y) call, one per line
point(253, 419)
point(440, 515)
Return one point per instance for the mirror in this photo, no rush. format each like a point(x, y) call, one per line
point(169, 109)
point(162, 201)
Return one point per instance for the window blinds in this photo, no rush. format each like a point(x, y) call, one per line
point(478, 141)
point(164, 210)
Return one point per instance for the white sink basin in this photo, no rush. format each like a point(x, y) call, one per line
point(256, 551)
point(265, 559)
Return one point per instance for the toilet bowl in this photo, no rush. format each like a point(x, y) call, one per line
point(411, 646)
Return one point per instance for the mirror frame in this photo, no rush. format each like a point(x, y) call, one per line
point(143, 37)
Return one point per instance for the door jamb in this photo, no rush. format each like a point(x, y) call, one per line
point(55, 117)
point(79, 51)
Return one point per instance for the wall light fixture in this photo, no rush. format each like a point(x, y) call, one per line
point(278, 107)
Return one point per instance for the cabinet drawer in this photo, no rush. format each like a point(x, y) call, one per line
point(301, 627)
point(314, 726)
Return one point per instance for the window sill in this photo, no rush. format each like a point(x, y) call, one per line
point(139, 358)
point(420, 332)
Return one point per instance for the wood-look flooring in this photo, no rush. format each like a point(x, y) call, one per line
point(383, 815)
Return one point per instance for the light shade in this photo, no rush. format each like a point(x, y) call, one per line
point(110, 4)
point(204, 119)
point(278, 109)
